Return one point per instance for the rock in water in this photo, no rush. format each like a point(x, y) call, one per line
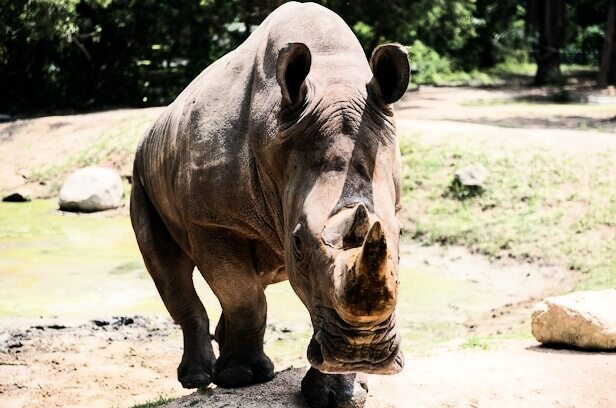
point(584, 319)
point(91, 189)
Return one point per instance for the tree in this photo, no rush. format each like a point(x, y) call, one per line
point(548, 19)
point(607, 70)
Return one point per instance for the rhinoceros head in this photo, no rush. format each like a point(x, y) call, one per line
point(339, 163)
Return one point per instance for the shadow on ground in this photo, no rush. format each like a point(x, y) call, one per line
point(283, 391)
point(567, 350)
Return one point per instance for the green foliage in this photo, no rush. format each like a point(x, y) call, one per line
point(585, 45)
point(95, 53)
point(446, 25)
point(59, 55)
point(431, 68)
point(428, 64)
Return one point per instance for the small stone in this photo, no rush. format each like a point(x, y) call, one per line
point(585, 319)
point(472, 176)
point(17, 197)
point(100, 323)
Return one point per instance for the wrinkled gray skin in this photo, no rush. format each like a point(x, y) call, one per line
point(280, 161)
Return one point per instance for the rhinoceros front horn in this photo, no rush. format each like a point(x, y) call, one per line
point(366, 290)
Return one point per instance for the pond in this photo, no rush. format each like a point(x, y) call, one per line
point(70, 265)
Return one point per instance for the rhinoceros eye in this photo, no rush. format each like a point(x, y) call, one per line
point(298, 245)
point(297, 241)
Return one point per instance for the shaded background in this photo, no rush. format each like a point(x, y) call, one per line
point(80, 55)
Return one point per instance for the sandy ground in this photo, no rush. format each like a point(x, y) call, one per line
point(131, 361)
point(517, 374)
point(54, 362)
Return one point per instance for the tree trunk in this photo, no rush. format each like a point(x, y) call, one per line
point(548, 17)
point(548, 66)
point(607, 71)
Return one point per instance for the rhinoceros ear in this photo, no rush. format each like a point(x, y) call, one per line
point(292, 68)
point(391, 70)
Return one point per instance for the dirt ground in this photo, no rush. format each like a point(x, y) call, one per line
point(132, 360)
point(123, 361)
point(519, 374)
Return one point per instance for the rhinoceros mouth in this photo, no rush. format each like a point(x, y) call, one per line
point(337, 347)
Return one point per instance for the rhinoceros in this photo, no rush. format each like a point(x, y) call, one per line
point(280, 161)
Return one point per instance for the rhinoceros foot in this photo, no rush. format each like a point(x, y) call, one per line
point(240, 373)
point(334, 390)
point(195, 372)
point(197, 365)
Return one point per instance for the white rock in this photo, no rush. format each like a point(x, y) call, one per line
point(472, 176)
point(584, 319)
point(91, 189)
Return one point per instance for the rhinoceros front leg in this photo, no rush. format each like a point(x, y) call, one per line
point(334, 390)
point(227, 265)
point(171, 269)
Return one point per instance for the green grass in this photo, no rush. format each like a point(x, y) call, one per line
point(490, 342)
point(512, 68)
point(537, 206)
point(445, 76)
point(160, 401)
point(475, 342)
point(457, 78)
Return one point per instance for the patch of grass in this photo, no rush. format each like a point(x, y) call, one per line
point(461, 78)
point(537, 206)
point(475, 342)
point(528, 69)
point(114, 148)
point(489, 342)
point(160, 401)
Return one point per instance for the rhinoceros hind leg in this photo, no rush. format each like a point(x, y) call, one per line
point(171, 269)
point(334, 390)
point(227, 265)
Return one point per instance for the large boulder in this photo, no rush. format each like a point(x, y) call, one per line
point(91, 189)
point(584, 319)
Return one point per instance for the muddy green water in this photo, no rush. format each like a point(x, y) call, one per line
point(69, 265)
